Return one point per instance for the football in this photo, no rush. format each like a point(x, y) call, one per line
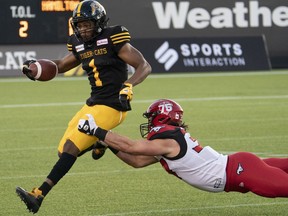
point(43, 69)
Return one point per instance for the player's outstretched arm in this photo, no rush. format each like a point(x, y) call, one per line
point(125, 144)
point(66, 63)
point(136, 161)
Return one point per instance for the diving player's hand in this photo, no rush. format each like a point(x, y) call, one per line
point(126, 95)
point(26, 70)
point(87, 126)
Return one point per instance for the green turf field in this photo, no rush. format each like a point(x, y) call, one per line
point(228, 111)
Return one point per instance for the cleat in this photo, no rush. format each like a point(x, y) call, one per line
point(31, 199)
point(98, 150)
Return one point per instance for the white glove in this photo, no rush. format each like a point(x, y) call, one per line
point(87, 126)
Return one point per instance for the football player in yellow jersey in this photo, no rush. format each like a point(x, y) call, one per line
point(104, 52)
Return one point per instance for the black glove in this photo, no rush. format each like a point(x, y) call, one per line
point(26, 70)
point(126, 95)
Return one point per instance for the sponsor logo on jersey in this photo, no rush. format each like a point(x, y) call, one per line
point(239, 169)
point(102, 42)
point(79, 48)
point(218, 183)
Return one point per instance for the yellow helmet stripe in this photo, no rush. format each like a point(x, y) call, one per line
point(79, 8)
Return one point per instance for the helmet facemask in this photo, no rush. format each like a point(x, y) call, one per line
point(146, 127)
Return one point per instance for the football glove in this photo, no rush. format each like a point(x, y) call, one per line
point(126, 95)
point(87, 126)
point(26, 70)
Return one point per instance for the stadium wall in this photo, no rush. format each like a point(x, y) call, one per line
point(200, 18)
point(178, 20)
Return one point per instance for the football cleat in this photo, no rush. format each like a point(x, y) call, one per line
point(31, 199)
point(98, 150)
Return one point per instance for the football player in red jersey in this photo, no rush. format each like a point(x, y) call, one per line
point(169, 143)
point(104, 52)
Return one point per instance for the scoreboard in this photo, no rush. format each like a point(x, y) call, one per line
point(35, 21)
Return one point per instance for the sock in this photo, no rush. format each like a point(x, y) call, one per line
point(61, 167)
point(45, 188)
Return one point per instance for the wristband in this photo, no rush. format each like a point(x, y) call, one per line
point(100, 133)
point(115, 151)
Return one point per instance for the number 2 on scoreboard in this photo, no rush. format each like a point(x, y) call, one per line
point(23, 29)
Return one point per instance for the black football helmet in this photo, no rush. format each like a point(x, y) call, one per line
point(163, 111)
point(89, 10)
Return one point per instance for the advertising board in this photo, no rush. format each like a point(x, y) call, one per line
point(205, 54)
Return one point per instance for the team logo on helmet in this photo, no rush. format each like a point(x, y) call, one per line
point(94, 7)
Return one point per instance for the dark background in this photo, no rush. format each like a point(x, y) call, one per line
point(139, 17)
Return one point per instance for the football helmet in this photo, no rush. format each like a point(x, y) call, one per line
point(163, 111)
point(89, 10)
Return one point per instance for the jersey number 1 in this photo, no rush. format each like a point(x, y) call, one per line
point(98, 82)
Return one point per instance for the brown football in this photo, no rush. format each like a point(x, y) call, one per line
point(43, 69)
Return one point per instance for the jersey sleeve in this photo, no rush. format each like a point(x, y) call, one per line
point(170, 132)
point(119, 37)
point(71, 45)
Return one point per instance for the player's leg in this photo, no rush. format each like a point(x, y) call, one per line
point(77, 142)
point(33, 199)
point(106, 117)
point(111, 118)
point(247, 172)
point(281, 163)
point(69, 148)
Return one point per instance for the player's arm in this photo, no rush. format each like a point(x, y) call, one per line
point(168, 147)
point(136, 161)
point(139, 147)
point(133, 57)
point(66, 63)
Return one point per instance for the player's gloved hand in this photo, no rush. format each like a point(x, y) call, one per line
point(126, 95)
point(26, 70)
point(91, 128)
point(87, 126)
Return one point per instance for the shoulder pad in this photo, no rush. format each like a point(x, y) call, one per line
point(72, 42)
point(119, 35)
point(163, 130)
